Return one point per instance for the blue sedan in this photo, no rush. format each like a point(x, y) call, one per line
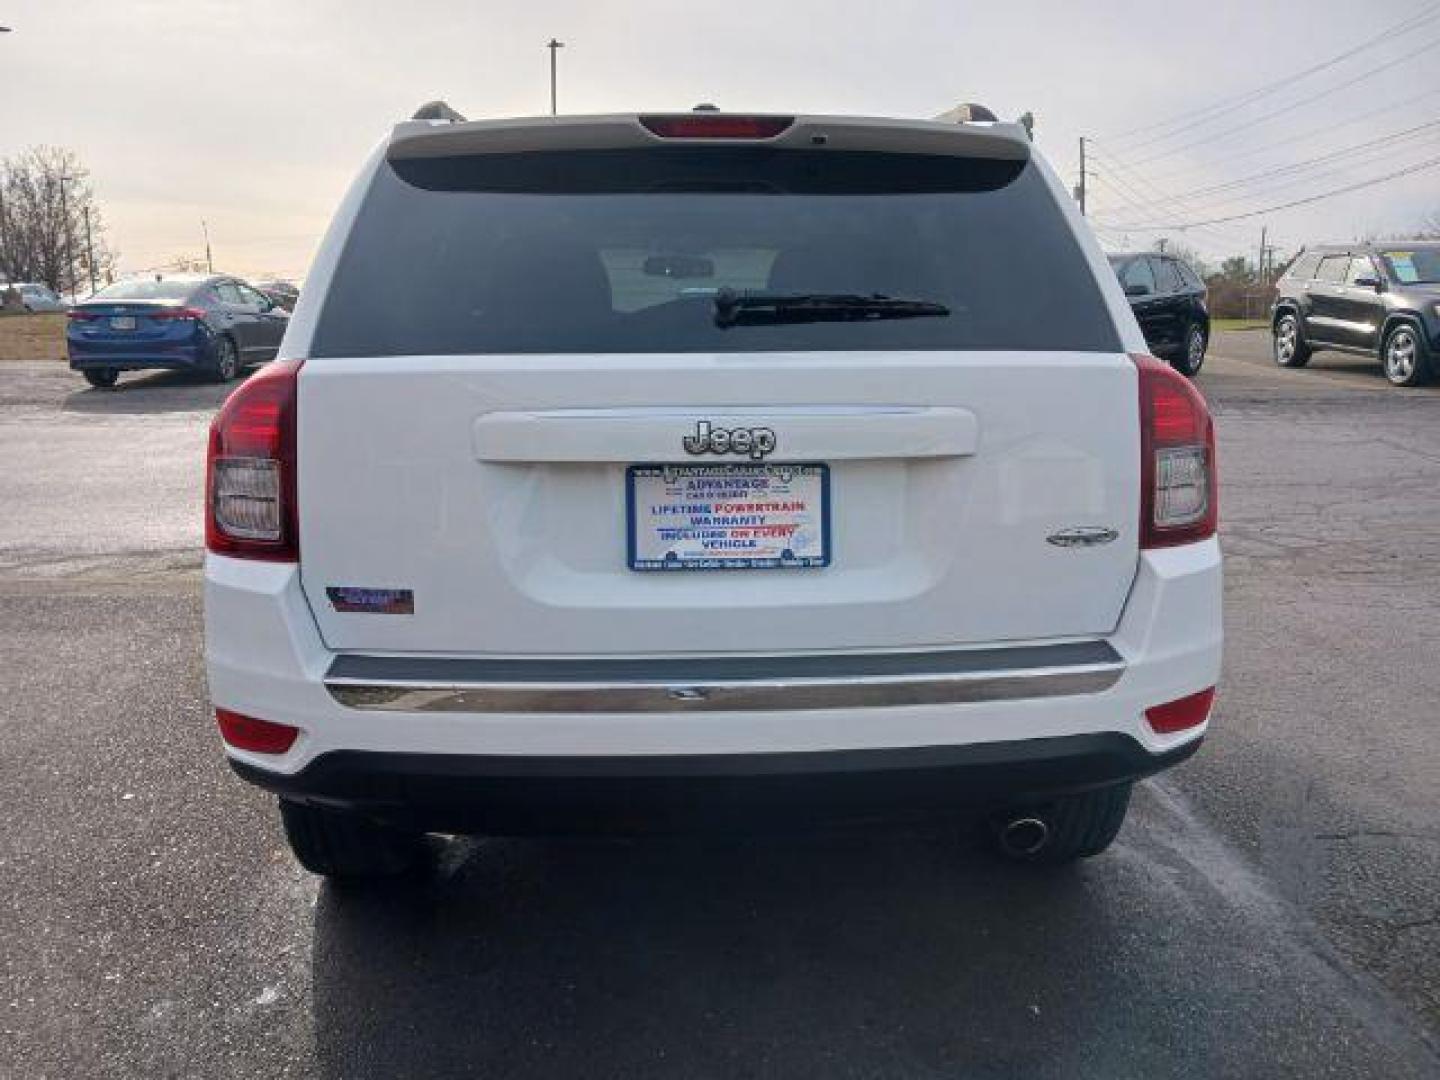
point(214, 325)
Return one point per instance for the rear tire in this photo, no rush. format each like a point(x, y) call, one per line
point(225, 364)
point(343, 845)
point(1405, 358)
point(1288, 343)
point(1079, 826)
point(101, 378)
point(1191, 357)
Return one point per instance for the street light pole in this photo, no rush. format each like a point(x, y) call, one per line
point(209, 263)
point(554, 47)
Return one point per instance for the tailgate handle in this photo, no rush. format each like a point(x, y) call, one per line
point(822, 433)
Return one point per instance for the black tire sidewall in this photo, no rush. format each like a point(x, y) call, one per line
point(341, 844)
point(1182, 362)
point(1301, 354)
point(217, 368)
point(101, 378)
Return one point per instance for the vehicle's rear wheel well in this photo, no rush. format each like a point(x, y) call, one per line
point(1281, 310)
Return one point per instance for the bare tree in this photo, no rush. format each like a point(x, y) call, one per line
point(51, 229)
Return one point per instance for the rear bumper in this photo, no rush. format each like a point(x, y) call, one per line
point(956, 726)
point(179, 359)
point(187, 353)
point(510, 796)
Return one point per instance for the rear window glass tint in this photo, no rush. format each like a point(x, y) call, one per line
point(624, 251)
point(1303, 268)
point(1361, 266)
point(1166, 275)
point(1136, 272)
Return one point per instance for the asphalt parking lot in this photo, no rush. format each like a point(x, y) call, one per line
point(1269, 910)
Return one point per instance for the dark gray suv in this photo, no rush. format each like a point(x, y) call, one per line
point(1380, 300)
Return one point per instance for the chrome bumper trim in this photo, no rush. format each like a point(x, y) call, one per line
point(723, 695)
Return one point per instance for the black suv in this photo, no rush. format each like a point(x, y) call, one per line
point(1168, 299)
point(1380, 300)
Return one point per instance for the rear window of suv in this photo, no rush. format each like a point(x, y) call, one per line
point(626, 251)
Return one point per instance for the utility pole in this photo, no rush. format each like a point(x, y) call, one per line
point(554, 47)
point(1260, 266)
point(209, 263)
point(5, 256)
point(1160, 245)
point(89, 250)
point(69, 247)
point(1082, 175)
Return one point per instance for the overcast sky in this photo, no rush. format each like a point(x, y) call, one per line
point(253, 116)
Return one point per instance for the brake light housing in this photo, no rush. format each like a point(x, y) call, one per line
point(81, 315)
point(250, 491)
point(1179, 498)
point(716, 126)
point(177, 314)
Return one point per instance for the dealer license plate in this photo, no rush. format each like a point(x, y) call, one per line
point(728, 517)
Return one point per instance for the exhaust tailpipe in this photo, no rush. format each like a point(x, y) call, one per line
point(1024, 837)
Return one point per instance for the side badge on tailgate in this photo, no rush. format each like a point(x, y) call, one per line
point(371, 601)
point(1082, 536)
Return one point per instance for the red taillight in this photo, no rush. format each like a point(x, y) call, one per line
point(250, 508)
point(260, 736)
point(174, 314)
point(1181, 714)
point(716, 126)
point(1179, 497)
point(81, 315)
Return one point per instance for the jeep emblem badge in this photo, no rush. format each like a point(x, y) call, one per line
point(755, 442)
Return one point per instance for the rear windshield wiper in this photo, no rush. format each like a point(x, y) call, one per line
point(768, 309)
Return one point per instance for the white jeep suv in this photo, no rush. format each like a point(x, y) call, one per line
point(659, 471)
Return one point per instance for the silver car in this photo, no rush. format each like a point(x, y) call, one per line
point(36, 297)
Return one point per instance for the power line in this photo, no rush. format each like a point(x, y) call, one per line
point(1240, 100)
point(1325, 129)
point(1220, 237)
point(1129, 195)
point(1167, 202)
point(1301, 166)
point(1370, 73)
point(1418, 167)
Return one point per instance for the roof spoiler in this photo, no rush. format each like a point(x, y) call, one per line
point(624, 131)
point(437, 110)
